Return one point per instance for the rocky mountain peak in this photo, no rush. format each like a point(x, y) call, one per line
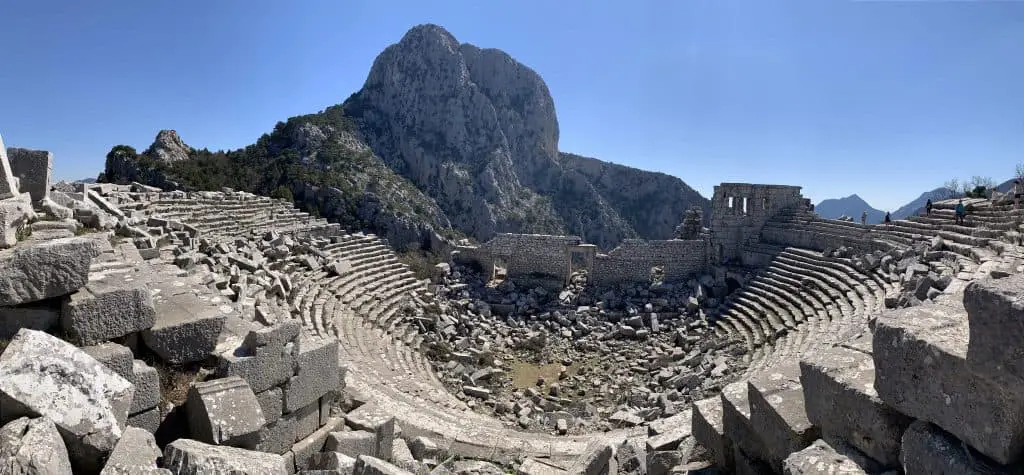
point(168, 147)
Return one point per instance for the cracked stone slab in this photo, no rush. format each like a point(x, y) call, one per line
point(29, 273)
point(41, 375)
point(840, 383)
point(921, 370)
point(777, 411)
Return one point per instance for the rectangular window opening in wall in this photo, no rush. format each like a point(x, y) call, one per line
point(730, 201)
point(744, 205)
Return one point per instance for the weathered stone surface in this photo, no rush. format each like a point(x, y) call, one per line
point(671, 434)
point(839, 392)
point(182, 334)
point(117, 357)
point(266, 357)
point(15, 213)
point(191, 457)
point(335, 461)
point(43, 270)
point(594, 459)
point(102, 311)
point(41, 375)
point(533, 466)
point(136, 452)
point(736, 420)
point(929, 449)
point(8, 187)
point(272, 403)
point(709, 431)
point(147, 387)
point(351, 443)
point(402, 457)
point(31, 446)
point(777, 411)
point(34, 316)
point(921, 371)
point(33, 169)
point(424, 449)
point(820, 459)
point(225, 412)
point(149, 420)
point(314, 443)
point(995, 311)
point(317, 373)
point(366, 465)
point(370, 418)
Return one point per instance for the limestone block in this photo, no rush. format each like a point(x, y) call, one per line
point(819, 458)
point(184, 332)
point(352, 443)
point(929, 449)
point(335, 462)
point(317, 373)
point(366, 465)
point(669, 436)
point(33, 168)
point(114, 356)
point(777, 411)
point(314, 443)
point(7, 184)
point(839, 390)
point(272, 402)
point(149, 420)
point(266, 357)
point(191, 457)
point(225, 412)
point(995, 311)
point(594, 460)
point(32, 446)
point(371, 418)
point(34, 316)
point(102, 311)
point(147, 387)
point(745, 464)
point(306, 421)
point(136, 452)
point(533, 466)
point(41, 375)
point(424, 449)
point(402, 457)
point(277, 437)
point(709, 431)
point(44, 270)
point(921, 371)
point(736, 420)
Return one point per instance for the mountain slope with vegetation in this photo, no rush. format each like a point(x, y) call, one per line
point(443, 137)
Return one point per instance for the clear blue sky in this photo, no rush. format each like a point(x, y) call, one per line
point(885, 99)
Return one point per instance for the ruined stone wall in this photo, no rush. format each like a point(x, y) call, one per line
point(34, 168)
point(632, 260)
point(740, 210)
point(522, 253)
point(525, 254)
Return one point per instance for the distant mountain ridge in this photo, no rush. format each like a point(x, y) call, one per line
point(852, 206)
point(916, 207)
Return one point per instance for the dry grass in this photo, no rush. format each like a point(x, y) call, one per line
point(175, 381)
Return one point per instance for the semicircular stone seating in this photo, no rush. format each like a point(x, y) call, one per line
point(362, 309)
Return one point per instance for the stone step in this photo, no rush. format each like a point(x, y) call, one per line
point(777, 412)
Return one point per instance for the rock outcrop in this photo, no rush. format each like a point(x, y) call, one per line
point(168, 147)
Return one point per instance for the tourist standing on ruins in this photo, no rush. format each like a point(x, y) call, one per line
point(864, 218)
point(888, 220)
point(928, 208)
point(961, 212)
point(1016, 194)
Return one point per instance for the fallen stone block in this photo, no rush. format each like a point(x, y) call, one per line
point(736, 421)
point(402, 457)
point(314, 443)
point(147, 387)
point(29, 446)
point(995, 312)
point(33, 169)
point(351, 443)
point(15, 214)
point(114, 356)
point(533, 466)
point(425, 449)
point(266, 357)
point(679, 428)
point(41, 375)
point(366, 465)
point(370, 418)
point(225, 412)
point(191, 457)
point(34, 316)
point(148, 420)
point(44, 270)
point(8, 187)
point(272, 402)
point(334, 461)
point(819, 458)
point(135, 453)
point(103, 311)
point(709, 431)
point(839, 392)
point(183, 333)
point(921, 371)
point(594, 459)
point(929, 449)
point(317, 373)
